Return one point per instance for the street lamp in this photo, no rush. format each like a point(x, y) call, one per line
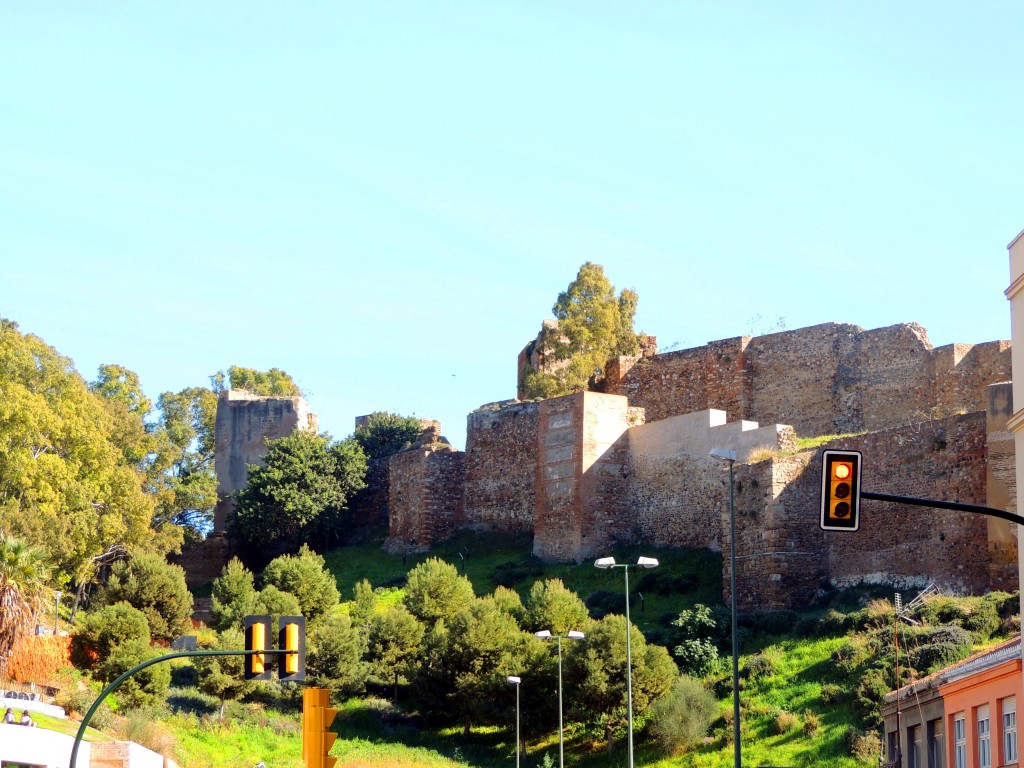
point(572, 634)
point(56, 613)
point(514, 680)
point(641, 562)
point(729, 457)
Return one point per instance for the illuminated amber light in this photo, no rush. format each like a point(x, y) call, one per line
point(842, 471)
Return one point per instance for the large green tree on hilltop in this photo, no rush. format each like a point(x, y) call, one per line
point(594, 325)
point(385, 434)
point(272, 383)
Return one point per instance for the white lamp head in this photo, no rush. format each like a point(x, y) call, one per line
point(604, 562)
point(575, 634)
point(647, 562)
point(544, 634)
point(514, 680)
point(723, 454)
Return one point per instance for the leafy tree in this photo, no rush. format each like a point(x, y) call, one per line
point(394, 644)
point(65, 482)
point(436, 591)
point(23, 584)
point(233, 597)
point(272, 383)
point(102, 632)
point(508, 600)
point(305, 576)
point(277, 603)
point(466, 661)
point(594, 325)
point(334, 656)
point(553, 606)
point(681, 720)
point(699, 633)
point(155, 587)
point(147, 686)
point(385, 434)
point(223, 676)
point(364, 606)
point(300, 494)
point(185, 486)
point(598, 671)
point(121, 392)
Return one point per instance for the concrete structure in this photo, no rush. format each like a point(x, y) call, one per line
point(42, 748)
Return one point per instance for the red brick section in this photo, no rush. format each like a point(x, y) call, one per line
point(784, 559)
point(501, 466)
point(425, 497)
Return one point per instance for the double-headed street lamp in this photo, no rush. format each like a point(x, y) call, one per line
point(515, 680)
point(641, 562)
point(729, 457)
point(572, 634)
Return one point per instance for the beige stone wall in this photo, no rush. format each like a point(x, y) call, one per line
point(244, 423)
point(425, 497)
point(1001, 488)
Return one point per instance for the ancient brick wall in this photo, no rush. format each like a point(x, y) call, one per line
point(908, 546)
point(425, 497)
point(243, 425)
point(826, 379)
point(581, 475)
point(501, 466)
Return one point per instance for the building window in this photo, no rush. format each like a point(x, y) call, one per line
point(935, 756)
point(959, 741)
point(984, 737)
point(914, 747)
point(1010, 729)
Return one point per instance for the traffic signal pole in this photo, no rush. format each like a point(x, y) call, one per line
point(957, 506)
point(138, 668)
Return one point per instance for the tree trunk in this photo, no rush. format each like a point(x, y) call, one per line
point(394, 700)
point(465, 730)
point(611, 739)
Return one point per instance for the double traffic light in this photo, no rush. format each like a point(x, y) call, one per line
point(317, 737)
point(840, 490)
point(291, 653)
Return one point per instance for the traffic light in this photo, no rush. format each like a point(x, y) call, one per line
point(257, 638)
point(291, 640)
point(840, 490)
point(317, 737)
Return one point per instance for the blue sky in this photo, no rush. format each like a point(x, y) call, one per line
point(384, 199)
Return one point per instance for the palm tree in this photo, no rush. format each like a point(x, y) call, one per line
point(24, 570)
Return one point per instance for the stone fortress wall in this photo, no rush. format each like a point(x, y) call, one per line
point(586, 472)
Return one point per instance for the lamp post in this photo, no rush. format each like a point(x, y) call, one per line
point(56, 613)
point(572, 634)
point(729, 457)
point(641, 562)
point(514, 680)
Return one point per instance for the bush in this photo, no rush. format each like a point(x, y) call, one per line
point(233, 597)
point(155, 587)
point(983, 621)
point(832, 694)
point(147, 686)
point(660, 584)
point(812, 724)
point(866, 747)
point(305, 576)
point(603, 601)
point(770, 622)
point(105, 630)
point(680, 720)
point(507, 574)
point(940, 647)
point(696, 657)
point(833, 623)
point(764, 664)
point(784, 722)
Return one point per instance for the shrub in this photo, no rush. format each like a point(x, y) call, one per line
point(983, 621)
point(147, 686)
point(680, 720)
point(833, 623)
point(763, 664)
point(103, 631)
point(866, 747)
point(696, 657)
point(832, 694)
point(812, 724)
point(305, 576)
point(784, 722)
point(507, 574)
point(940, 647)
point(603, 601)
point(770, 622)
point(233, 597)
point(36, 659)
point(155, 587)
point(660, 584)
point(143, 728)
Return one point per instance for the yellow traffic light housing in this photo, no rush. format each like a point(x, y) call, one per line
point(840, 490)
point(257, 638)
point(291, 662)
point(317, 737)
